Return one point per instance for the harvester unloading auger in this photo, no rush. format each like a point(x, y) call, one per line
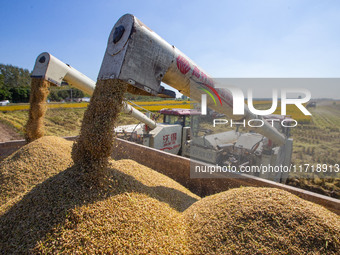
point(55, 71)
point(139, 57)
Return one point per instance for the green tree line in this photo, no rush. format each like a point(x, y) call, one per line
point(65, 92)
point(15, 86)
point(14, 83)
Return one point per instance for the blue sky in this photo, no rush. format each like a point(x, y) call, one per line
point(298, 38)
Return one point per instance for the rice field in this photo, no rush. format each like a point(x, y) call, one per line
point(20, 107)
point(155, 106)
point(292, 111)
point(315, 143)
point(148, 105)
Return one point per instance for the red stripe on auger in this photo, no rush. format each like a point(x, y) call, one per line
point(183, 65)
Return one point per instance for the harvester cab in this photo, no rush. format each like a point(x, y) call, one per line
point(178, 116)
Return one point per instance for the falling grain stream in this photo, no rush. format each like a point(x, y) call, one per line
point(35, 125)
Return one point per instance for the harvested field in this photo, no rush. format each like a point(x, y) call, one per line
point(138, 211)
point(8, 133)
point(35, 125)
point(261, 221)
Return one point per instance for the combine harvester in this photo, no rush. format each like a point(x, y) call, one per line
point(138, 56)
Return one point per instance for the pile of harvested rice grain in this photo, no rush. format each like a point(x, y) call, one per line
point(133, 176)
point(94, 145)
point(261, 221)
point(127, 223)
point(35, 124)
point(32, 164)
point(138, 211)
